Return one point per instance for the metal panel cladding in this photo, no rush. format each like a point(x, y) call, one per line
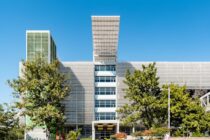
point(105, 31)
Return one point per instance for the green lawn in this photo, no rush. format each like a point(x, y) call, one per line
point(85, 139)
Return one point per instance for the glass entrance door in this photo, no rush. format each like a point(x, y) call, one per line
point(103, 131)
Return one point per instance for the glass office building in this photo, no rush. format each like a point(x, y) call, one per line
point(40, 44)
point(97, 86)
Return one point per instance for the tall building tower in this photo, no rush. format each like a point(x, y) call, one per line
point(40, 44)
point(105, 30)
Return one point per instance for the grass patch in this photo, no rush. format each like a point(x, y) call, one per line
point(86, 139)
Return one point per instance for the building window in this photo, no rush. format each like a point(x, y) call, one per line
point(37, 46)
point(105, 103)
point(105, 79)
point(105, 68)
point(105, 116)
point(105, 91)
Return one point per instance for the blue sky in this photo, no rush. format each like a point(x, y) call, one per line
point(150, 30)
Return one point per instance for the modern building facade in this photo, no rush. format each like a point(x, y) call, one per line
point(40, 44)
point(97, 86)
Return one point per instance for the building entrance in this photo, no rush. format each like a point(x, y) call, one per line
point(104, 129)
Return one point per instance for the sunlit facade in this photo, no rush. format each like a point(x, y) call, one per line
point(97, 86)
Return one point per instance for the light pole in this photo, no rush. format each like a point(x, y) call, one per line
point(169, 106)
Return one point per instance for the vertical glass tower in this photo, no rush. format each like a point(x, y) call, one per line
point(40, 44)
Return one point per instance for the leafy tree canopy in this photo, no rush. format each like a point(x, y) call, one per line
point(187, 115)
point(143, 92)
point(9, 123)
point(149, 103)
point(41, 88)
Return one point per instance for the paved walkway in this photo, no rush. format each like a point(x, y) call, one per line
point(189, 138)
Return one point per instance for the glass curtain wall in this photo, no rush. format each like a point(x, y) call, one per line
point(37, 46)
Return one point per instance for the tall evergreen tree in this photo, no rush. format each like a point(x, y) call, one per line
point(42, 88)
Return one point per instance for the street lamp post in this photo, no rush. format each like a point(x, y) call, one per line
point(169, 109)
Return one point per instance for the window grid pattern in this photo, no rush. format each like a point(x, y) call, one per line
point(105, 68)
point(105, 116)
point(79, 105)
point(53, 50)
point(105, 79)
point(37, 46)
point(105, 90)
point(105, 103)
point(40, 45)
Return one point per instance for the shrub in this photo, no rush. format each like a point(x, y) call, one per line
point(119, 136)
point(197, 134)
point(112, 137)
point(144, 133)
point(161, 131)
point(73, 135)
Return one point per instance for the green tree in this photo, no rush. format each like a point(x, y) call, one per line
point(187, 115)
point(143, 92)
point(73, 135)
point(42, 88)
point(149, 104)
point(9, 123)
